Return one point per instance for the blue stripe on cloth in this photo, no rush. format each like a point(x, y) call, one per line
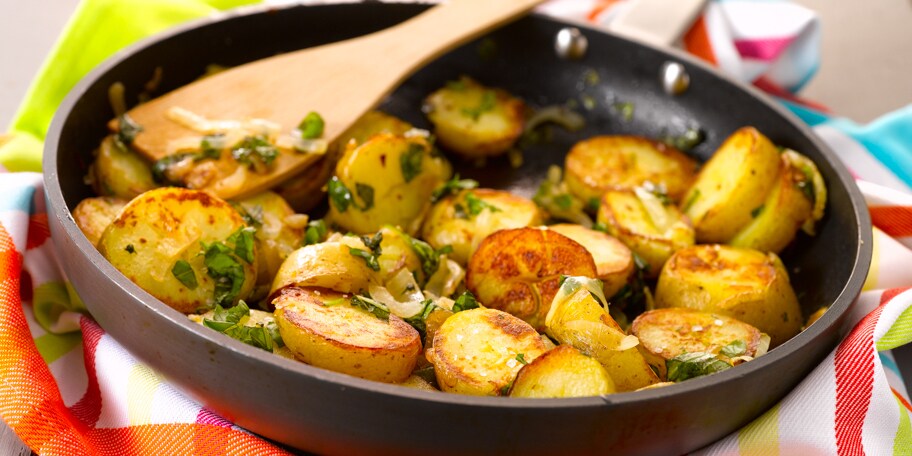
point(14, 195)
point(889, 363)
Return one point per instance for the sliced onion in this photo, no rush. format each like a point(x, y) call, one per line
point(309, 146)
point(398, 308)
point(404, 287)
point(447, 277)
point(628, 343)
point(233, 182)
point(558, 114)
point(417, 133)
point(763, 345)
point(655, 208)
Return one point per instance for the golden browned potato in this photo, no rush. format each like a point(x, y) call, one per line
point(187, 248)
point(613, 260)
point(478, 351)
point(652, 229)
point(473, 120)
point(666, 333)
point(731, 185)
point(562, 372)
point(604, 163)
point(278, 233)
point(744, 284)
point(118, 171)
point(518, 270)
point(386, 180)
point(577, 319)
point(418, 383)
point(789, 206)
point(324, 329)
point(93, 215)
point(463, 220)
point(329, 264)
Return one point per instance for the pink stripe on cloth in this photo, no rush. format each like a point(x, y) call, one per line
point(767, 49)
point(206, 416)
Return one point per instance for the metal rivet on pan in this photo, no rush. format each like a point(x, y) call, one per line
point(675, 79)
point(570, 43)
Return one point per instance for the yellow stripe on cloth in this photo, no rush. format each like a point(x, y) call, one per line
point(873, 271)
point(902, 444)
point(141, 388)
point(761, 436)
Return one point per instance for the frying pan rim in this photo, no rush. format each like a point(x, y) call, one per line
point(57, 205)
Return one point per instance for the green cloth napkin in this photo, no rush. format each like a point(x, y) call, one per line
point(98, 29)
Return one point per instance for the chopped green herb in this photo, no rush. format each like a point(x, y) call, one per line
point(263, 335)
point(378, 309)
point(521, 358)
point(757, 211)
point(410, 161)
point(599, 226)
point(807, 185)
point(335, 302)
point(373, 243)
point(690, 139)
point(459, 212)
point(127, 129)
point(243, 243)
point(370, 257)
point(476, 204)
point(339, 194)
point(430, 258)
point(160, 167)
point(227, 271)
point(183, 272)
point(588, 102)
point(591, 77)
point(255, 152)
point(691, 200)
point(640, 263)
point(625, 109)
point(563, 201)
point(208, 150)
point(316, 232)
point(689, 365)
point(130, 249)
point(466, 301)
point(736, 348)
point(505, 390)
point(366, 193)
point(487, 103)
point(452, 186)
point(312, 126)
point(593, 205)
point(457, 86)
point(252, 217)
point(419, 320)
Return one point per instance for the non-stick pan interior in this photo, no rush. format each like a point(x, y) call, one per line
point(519, 58)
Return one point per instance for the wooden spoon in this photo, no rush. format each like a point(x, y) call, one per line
point(340, 81)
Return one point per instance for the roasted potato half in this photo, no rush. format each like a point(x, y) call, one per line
point(120, 172)
point(577, 319)
point(323, 329)
point(562, 372)
point(463, 220)
point(329, 264)
point(731, 185)
point(613, 260)
point(473, 120)
point(181, 246)
point(747, 285)
point(518, 270)
point(604, 163)
point(478, 351)
point(650, 227)
point(789, 206)
point(666, 333)
point(93, 215)
point(388, 179)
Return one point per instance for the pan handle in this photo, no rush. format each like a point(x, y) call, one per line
point(657, 22)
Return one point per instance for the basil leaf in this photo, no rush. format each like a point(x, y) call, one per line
point(316, 232)
point(689, 365)
point(378, 309)
point(593, 205)
point(736, 348)
point(476, 204)
point(563, 201)
point(207, 150)
point(466, 301)
point(410, 161)
point(757, 211)
point(252, 217)
point(127, 129)
point(160, 167)
point(130, 249)
point(183, 272)
point(312, 126)
point(243, 243)
point(255, 151)
point(430, 258)
point(373, 243)
point(339, 194)
point(366, 193)
point(368, 257)
point(452, 186)
point(228, 273)
point(419, 320)
point(599, 226)
point(487, 103)
point(625, 109)
point(228, 321)
point(521, 357)
point(457, 86)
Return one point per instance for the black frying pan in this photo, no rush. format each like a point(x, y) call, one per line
point(327, 412)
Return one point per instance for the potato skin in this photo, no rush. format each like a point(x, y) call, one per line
point(327, 265)
point(666, 333)
point(649, 228)
point(744, 284)
point(165, 225)
point(345, 339)
point(474, 351)
point(493, 132)
point(377, 164)
point(93, 215)
point(613, 260)
point(120, 172)
point(734, 182)
point(444, 226)
point(518, 270)
point(562, 372)
point(604, 163)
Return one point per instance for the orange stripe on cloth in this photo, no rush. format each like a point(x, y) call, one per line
point(599, 8)
point(696, 41)
point(901, 399)
point(182, 438)
point(893, 220)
